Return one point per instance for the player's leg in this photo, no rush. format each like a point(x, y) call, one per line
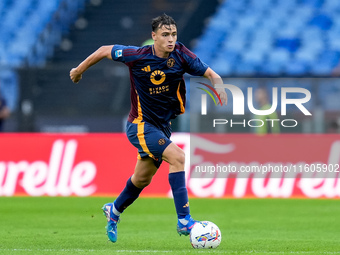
point(176, 158)
point(139, 135)
point(150, 142)
point(144, 171)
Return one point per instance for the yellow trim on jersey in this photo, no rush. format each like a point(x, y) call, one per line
point(140, 113)
point(180, 99)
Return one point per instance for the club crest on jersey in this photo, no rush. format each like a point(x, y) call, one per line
point(161, 141)
point(157, 77)
point(171, 62)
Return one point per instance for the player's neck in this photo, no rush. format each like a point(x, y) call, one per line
point(159, 53)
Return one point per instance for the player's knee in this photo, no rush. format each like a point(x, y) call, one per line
point(180, 158)
point(175, 156)
point(142, 182)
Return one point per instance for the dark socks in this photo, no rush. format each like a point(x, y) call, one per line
point(180, 193)
point(127, 196)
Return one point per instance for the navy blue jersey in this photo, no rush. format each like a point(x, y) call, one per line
point(157, 84)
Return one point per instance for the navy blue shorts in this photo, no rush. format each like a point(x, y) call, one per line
point(149, 140)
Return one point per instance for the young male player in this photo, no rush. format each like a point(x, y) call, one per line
point(157, 96)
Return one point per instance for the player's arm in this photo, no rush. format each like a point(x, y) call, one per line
point(216, 79)
point(95, 57)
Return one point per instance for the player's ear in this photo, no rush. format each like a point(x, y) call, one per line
point(153, 35)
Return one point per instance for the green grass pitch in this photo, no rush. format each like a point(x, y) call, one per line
point(72, 225)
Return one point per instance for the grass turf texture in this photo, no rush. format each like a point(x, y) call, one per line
point(72, 225)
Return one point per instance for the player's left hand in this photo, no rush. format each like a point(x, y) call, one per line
point(223, 95)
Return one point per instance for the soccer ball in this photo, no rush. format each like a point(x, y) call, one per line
point(205, 235)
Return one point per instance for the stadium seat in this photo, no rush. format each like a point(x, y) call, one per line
point(270, 69)
point(296, 68)
point(24, 24)
point(245, 68)
point(307, 56)
point(295, 35)
point(253, 57)
point(222, 66)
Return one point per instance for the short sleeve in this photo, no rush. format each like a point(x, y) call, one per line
point(197, 67)
point(194, 65)
point(123, 53)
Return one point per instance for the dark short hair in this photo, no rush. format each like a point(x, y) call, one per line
point(161, 20)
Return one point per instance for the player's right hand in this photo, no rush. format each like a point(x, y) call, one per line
point(75, 75)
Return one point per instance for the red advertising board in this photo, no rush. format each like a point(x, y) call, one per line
point(64, 165)
point(300, 165)
point(100, 164)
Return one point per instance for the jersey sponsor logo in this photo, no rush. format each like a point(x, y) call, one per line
point(159, 89)
point(118, 53)
point(171, 62)
point(157, 77)
point(146, 69)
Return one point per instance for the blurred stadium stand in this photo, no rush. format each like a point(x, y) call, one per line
point(42, 40)
point(31, 28)
point(273, 38)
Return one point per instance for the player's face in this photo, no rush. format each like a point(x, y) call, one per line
point(165, 38)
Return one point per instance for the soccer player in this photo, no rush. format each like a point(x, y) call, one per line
point(157, 96)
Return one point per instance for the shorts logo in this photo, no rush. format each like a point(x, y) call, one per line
point(157, 77)
point(118, 53)
point(171, 62)
point(161, 141)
